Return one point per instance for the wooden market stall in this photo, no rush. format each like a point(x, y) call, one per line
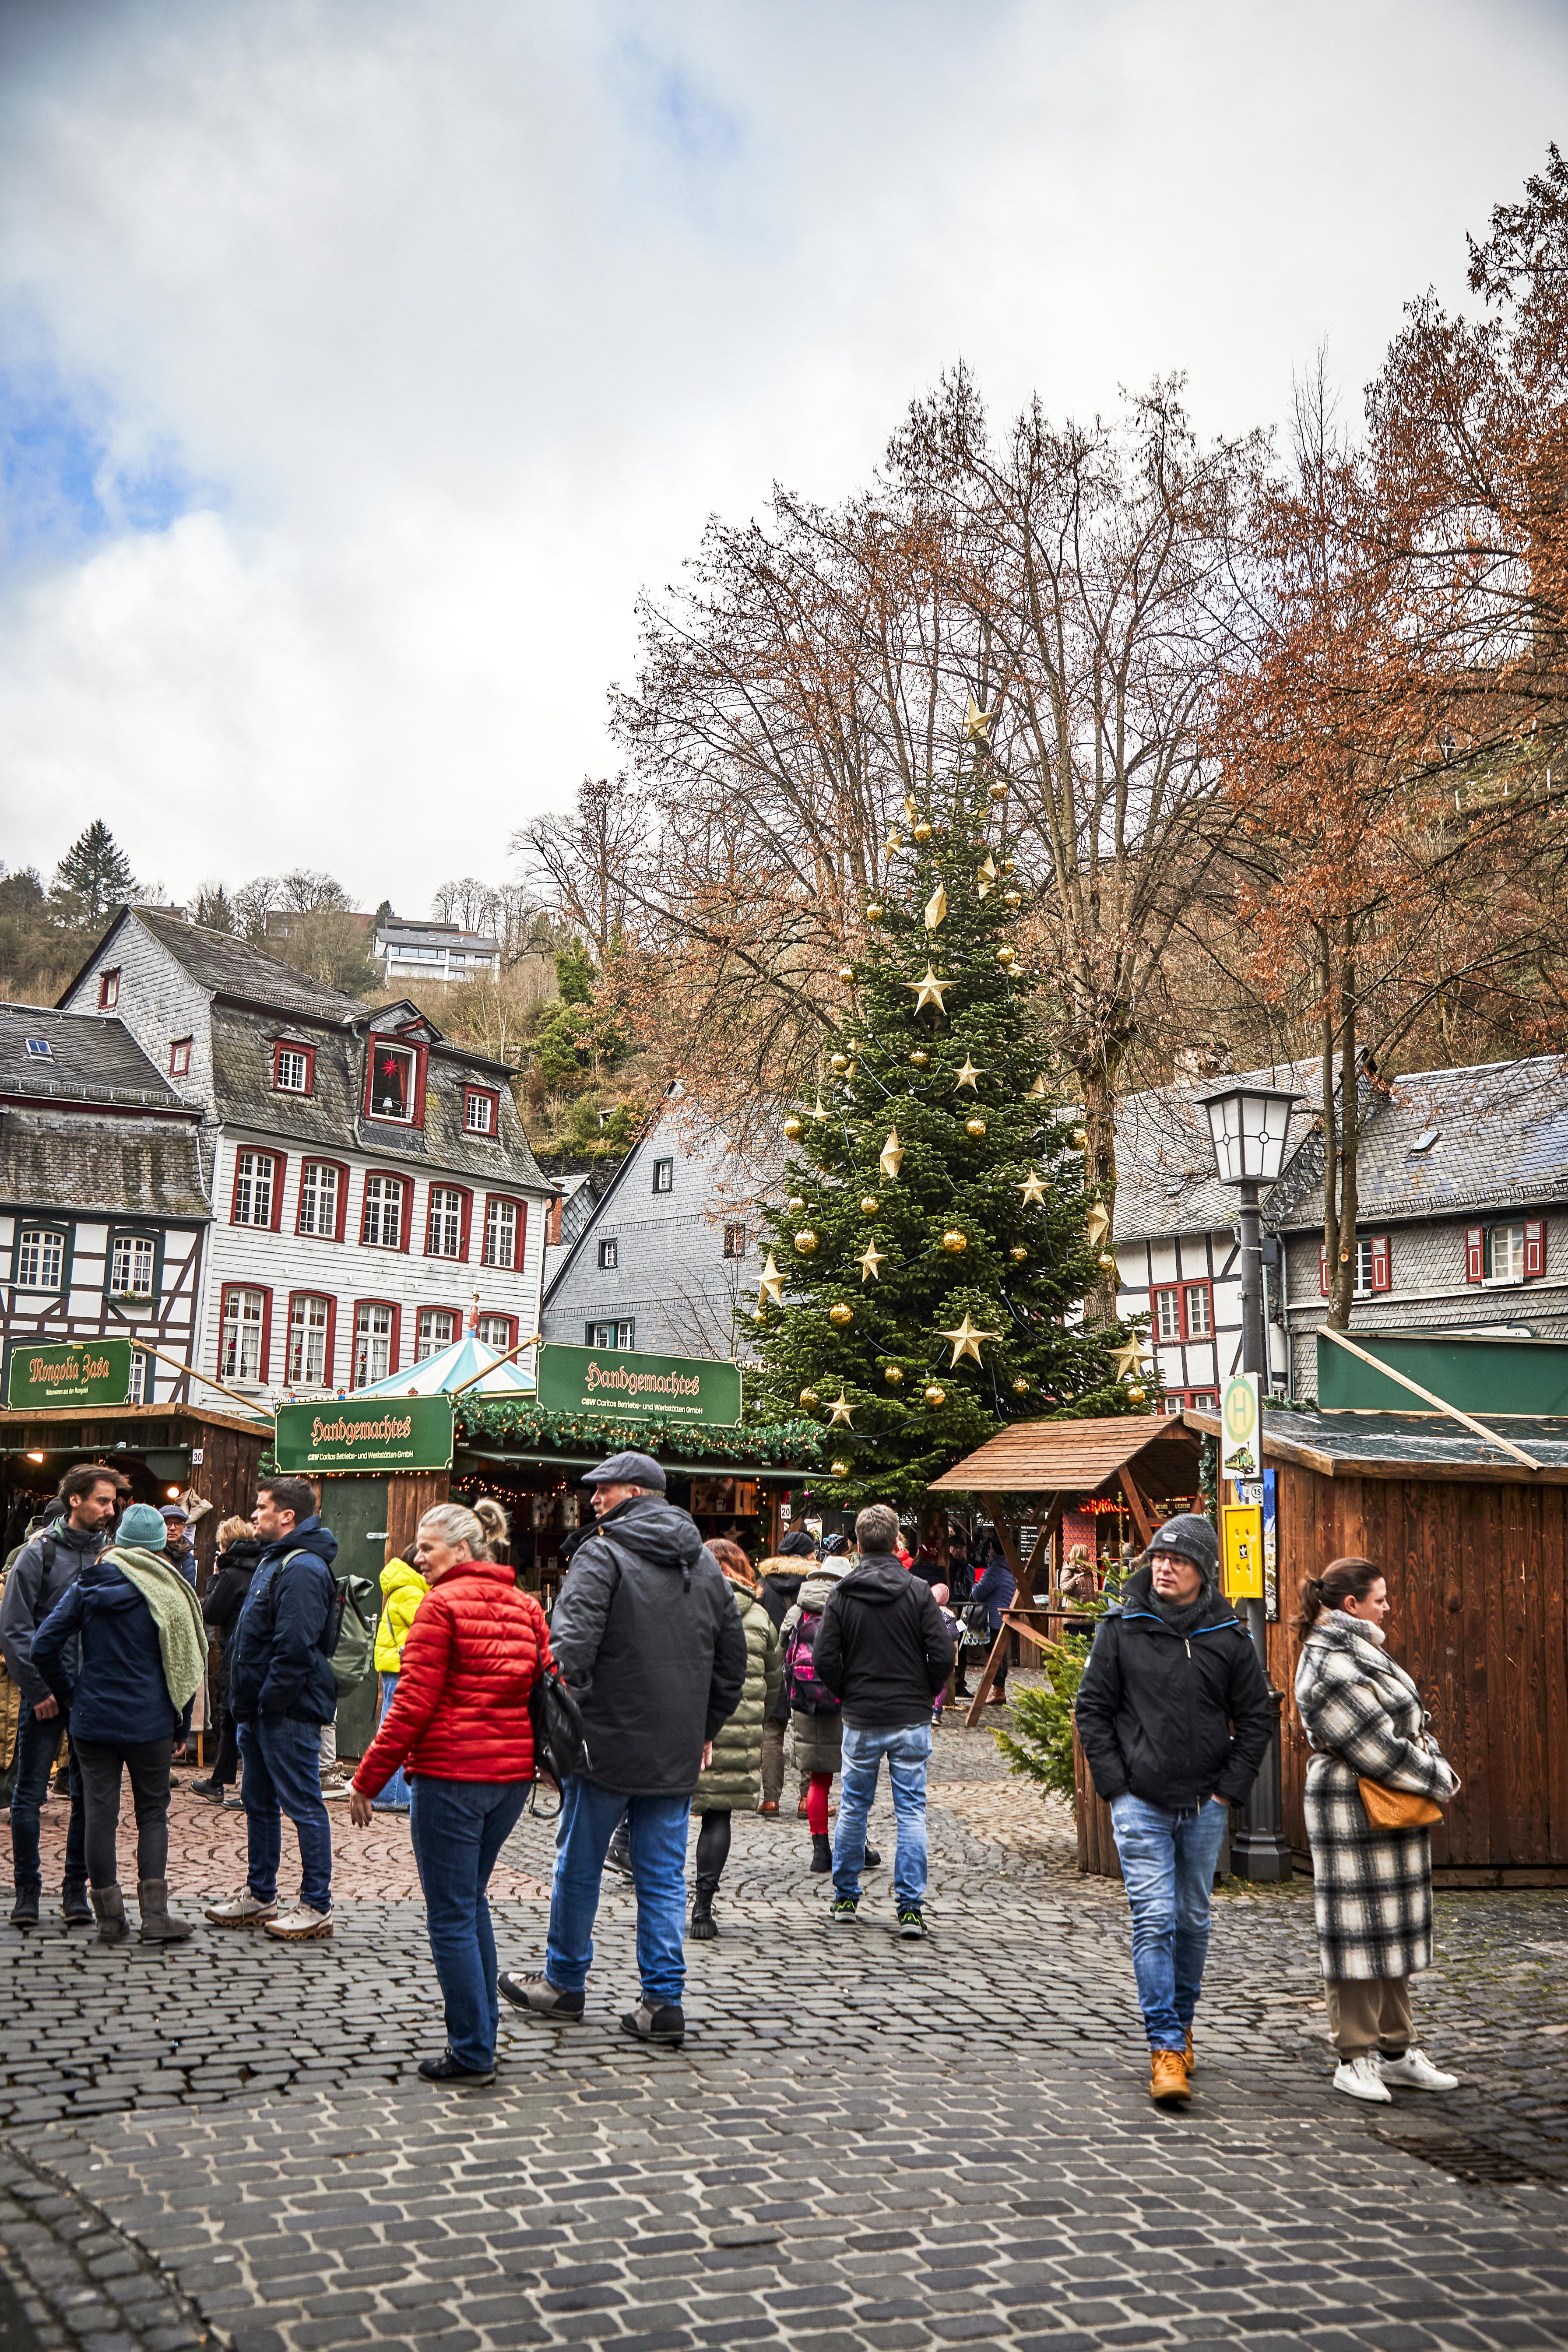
point(1474, 1543)
point(198, 1450)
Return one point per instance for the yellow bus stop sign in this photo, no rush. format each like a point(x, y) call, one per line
point(1241, 1550)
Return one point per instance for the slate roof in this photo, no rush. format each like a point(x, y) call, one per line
point(232, 966)
point(60, 1158)
point(1165, 1181)
point(1502, 1142)
point(1387, 1445)
point(92, 1057)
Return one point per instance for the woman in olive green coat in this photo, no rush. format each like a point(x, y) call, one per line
point(734, 1779)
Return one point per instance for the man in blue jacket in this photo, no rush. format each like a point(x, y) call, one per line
point(281, 1690)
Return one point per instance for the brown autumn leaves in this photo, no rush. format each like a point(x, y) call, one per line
point(1287, 744)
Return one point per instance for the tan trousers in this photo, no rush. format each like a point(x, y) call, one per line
point(1368, 2013)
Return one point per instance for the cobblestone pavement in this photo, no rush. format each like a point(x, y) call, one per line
point(864, 2143)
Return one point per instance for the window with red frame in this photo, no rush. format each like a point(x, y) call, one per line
point(436, 1329)
point(309, 1340)
point(381, 1218)
point(258, 1188)
point(497, 1331)
point(392, 1088)
point(503, 1233)
point(447, 1226)
point(376, 1340)
point(108, 989)
point(1373, 1266)
point(481, 1110)
point(1182, 1310)
point(242, 1346)
point(294, 1069)
point(323, 1187)
point(180, 1058)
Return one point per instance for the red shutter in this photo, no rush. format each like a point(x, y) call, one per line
point(1322, 1269)
point(1534, 1250)
point(1381, 1274)
point(280, 1163)
point(1475, 1253)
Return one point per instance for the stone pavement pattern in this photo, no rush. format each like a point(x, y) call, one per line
point(864, 2143)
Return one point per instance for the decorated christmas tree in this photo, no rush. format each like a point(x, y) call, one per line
point(917, 1285)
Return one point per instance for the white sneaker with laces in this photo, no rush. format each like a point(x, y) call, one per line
point(1358, 2078)
point(242, 1910)
point(1415, 2072)
point(300, 1925)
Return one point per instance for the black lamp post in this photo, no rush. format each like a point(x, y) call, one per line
point(1247, 1126)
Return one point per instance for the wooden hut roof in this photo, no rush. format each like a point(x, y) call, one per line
point(1398, 1444)
point(1056, 1457)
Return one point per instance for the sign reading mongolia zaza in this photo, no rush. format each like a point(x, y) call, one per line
point(75, 1371)
point(614, 1384)
point(378, 1433)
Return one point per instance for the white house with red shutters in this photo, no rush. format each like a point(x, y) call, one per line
point(371, 1188)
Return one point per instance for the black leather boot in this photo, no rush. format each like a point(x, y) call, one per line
point(703, 1926)
point(821, 1852)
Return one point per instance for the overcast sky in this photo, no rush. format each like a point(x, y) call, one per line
point(360, 360)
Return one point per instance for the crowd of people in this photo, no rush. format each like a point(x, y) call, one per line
point(683, 1674)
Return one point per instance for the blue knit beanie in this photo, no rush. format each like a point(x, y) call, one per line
point(144, 1526)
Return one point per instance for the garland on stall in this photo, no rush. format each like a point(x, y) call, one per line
point(785, 1441)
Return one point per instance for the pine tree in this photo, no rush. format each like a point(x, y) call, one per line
point(916, 1287)
point(95, 872)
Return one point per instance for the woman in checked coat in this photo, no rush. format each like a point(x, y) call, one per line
point(1372, 1889)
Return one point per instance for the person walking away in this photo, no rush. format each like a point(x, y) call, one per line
point(814, 1708)
point(1371, 1883)
point(731, 1781)
point(938, 1593)
point(402, 1590)
point(649, 1640)
point(994, 1592)
point(781, 1576)
point(134, 1626)
point(282, 1690)
point(1174, 1717)
point(472, 1649)
point(37, 1580)
point(884, 1652)
point(239, 1551)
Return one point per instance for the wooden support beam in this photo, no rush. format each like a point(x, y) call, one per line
point(1143, 1518)
point(983, 1690)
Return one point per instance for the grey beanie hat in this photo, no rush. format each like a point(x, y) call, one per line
point(1192, 1538)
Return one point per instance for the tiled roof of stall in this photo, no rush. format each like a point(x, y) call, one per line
point(92, 1058)
point(1071, 1457)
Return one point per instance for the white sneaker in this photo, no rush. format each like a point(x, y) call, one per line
point(242, 1910)
point(1415, 2072)
point(300, 1925)
point(1359, 2079)
point(334, 1784)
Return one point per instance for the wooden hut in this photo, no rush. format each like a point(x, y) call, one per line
point(1474, 1542)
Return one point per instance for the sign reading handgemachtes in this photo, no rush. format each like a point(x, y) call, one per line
point(614, 1384)
point(77, 1371)
point(365, 1433)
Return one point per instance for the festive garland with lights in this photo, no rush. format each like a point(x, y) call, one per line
point(765, 1440)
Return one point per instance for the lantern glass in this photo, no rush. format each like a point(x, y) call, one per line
point(1248, 1126)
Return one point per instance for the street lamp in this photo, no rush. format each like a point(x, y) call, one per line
point(1247, 1126)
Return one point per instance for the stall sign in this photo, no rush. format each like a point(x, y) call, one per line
point(1241, 1428)
point(72, 1372)
point(614, 1384)
point(1241, 1550)
point(375, 1433)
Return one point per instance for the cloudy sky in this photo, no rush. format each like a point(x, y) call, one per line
point(360, 360)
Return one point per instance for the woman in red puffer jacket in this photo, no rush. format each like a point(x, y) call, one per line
point(458, 1725)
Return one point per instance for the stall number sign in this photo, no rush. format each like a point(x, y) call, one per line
point(77, 1371)
point(616, 1384)
point(381, 1433)
point(1241, 1550)
point(1241, 1432)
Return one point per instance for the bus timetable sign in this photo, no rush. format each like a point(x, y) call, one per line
point(75, 1371)
point(372, 1434)
point(615, 1384)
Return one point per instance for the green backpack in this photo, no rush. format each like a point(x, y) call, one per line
point(348, 1637)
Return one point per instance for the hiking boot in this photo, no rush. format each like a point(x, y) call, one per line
point(109, 1906)
point(1168, 2084)
point(912, 1922)
point(447, 2069)
point(159, 1926)
point(821, 1852)
point(75, 1909)
point(846, 1910)
point(1415, 2072)
point(703, 1926)
point(659, 2021)
point(1189, 2056)
point(542, 1999)
point(242, 1910)
point(210, 1791)
point(301, 1925)
point(25, 1910)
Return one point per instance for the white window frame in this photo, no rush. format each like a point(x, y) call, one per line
point(251, 1187)
point(501, 1222)
point(44, 1246)
point(304, 1331)
point(1199, 1289)
point(372, 1338)
point(312, 1190)
point(484, 1106)
point(132, 1247)
point(610, 1253)
point(141, 1389)
point(239, 1360)
point(1513, 1235)
point(394, 1118)
point(288, 1058)
point(387, 1195)
point(495, 1331)
point(622, 1334)
point(664, 1175)
point(426, 1342)
point(446, 1212)
point(1168, 1304)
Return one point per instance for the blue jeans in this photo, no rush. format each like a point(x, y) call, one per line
point(657, 1827)
point(35, 1744)
point(458, 1828)
point(1167, 1866)
point(282, 1774)
point(907, 1751)
point(394, 1798)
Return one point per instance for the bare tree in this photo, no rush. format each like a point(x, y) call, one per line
point(472, 904)
point(579, 863)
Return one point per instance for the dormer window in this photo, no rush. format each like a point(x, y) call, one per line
point(108, 989)
point(294, 1069)
point(40, 1050)
point(481, 1108)
point(391, 1087)
point(180, 1058)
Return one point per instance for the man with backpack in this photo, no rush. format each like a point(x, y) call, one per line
point(282, 1689)
point(884, 1651)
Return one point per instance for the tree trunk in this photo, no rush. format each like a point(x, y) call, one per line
point(1099, 1086)
point(1342, 1264)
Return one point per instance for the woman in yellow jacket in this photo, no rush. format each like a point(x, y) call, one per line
point(402, 1590)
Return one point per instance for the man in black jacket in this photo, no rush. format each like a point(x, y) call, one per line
point(42, 1573)
point(1174, 1717)
point(646, 1633)
point(884, 1652)
point(282, 1689)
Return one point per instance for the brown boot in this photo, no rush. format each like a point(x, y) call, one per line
point(158, 1925)
point(1189, 2054)
point(1168, 2084)
point(109, 1905)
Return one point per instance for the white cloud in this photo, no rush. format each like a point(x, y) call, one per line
point(472, 310)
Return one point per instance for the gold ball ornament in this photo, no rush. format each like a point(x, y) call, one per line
point(840, 1468)
point(1009, 899)
point(794, 1129)
point(893, 1375)
point(1017, 1252)
point(974, 1127)
point(1080, 1139)
point(1009, 865)
point(922, 831)
point(875, 913)
point(1020, 1387)
point(1008, 957)
point(847, 972)
point(996, 791)
point(806, 1242)
point(870, 1204)
point(955, 1241)
point(920, 1058)
point(796, 1203)
point(840, 1314)
point(1138, 1396)
point(839, 1062)
point(809, 1397)
point(1105, 1261)
point(935, 1396)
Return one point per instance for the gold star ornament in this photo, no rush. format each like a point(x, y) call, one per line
point(977, 723)
point(770, 1282)
point(966, 1340)
point(968, 1077)
point(870, 1261)
point(1097, 1224)
point(841, 1410)
point(929, 991)
point(936, 907)
point(1033, 1189)
point(892, 1154)
point(1128, 1361)
point(986, 877)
